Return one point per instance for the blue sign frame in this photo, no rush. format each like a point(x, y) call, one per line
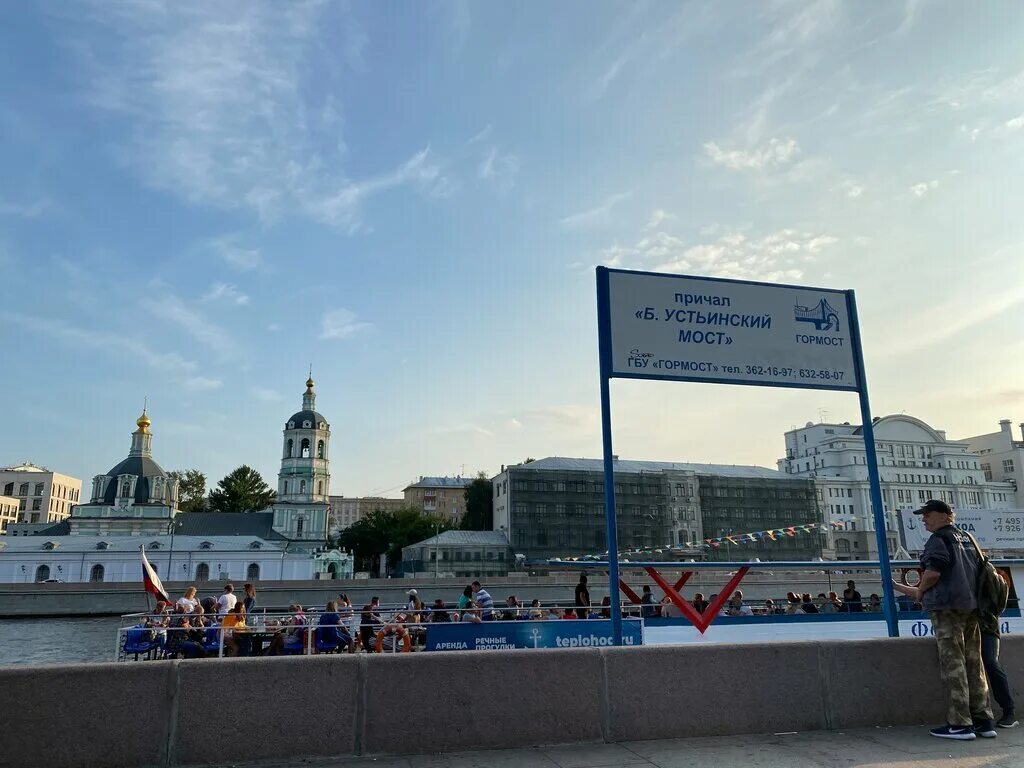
point(607, 373)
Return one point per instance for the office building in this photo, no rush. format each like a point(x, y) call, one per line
point(43, 496)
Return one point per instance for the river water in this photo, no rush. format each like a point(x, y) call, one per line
point(57, 641)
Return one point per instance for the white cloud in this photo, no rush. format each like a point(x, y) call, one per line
point(201, 384)
point(792, 32)
point(922, 188)
point(175, 311)
point(911, 12)
point(227, 249)
point(613, 70)
point(225, 292)
point(23, 210)
point(969, 314)
point(1008, 128)
point(115, 343)
point(481, 135)
point(594, 215)
point(782, 255)
point(340, 324)
point(343, 207)
point(771, 154)
point(658, 217)
point(852, 189)
point(499, 169)
point(223, 108)
point(274, 327)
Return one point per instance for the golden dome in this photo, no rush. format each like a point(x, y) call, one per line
point(309, 383)
point(143, 422)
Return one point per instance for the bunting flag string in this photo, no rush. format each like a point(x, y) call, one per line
point(772, 534)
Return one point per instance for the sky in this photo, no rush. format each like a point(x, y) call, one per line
point(200, 200)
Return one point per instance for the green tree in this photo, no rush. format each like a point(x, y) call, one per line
point(479, 505)
point(243, 490)
point(191, 489)
point(383, 532)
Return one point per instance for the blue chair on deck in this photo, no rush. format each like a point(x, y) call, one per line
point(211, 639)
point(327, 639)
point(139, 641)
point(295, 645)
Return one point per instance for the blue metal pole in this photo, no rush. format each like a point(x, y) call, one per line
point(604, 343)
point(888, 595)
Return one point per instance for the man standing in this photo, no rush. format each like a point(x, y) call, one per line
point(582, 598)
point(483, 600)
point(948, 591)
point(851, 598)
point(648, 609)
point(989, 609)
point(226, 602)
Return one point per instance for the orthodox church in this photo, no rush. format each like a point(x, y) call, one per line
point(135, 504)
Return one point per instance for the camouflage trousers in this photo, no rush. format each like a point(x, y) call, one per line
point(960, 667)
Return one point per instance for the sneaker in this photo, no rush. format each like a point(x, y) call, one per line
point(959, 732)
point(985, 729)
point(1008, 720)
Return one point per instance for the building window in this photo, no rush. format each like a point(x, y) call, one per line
point(252, 573)
point(302, 486)
point(39, 490)
point(9, 489)
point(42, 573)
point(304, 448)
point(1008, 465)
point(289, 449)
point(320, 449)
point(320, 487)
point(23, 489)
point(202, 572)
point(37, 503)
point(96, 574)
point(299, 525)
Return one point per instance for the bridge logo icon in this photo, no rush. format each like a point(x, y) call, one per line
point(822, 315)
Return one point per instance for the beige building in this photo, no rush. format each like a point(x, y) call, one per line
point(1001, 457)
point(8, 512)
point(346, 511)
point(43, 496)
point(442, 496)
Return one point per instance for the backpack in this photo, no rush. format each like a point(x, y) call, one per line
point(993, 593)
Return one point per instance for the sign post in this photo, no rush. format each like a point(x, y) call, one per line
point(874, 480)
point(686, 328)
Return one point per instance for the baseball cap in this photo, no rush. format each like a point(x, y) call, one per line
point(412, 593)
point(934, 505)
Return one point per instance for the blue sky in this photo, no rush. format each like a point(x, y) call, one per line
point(199, 200)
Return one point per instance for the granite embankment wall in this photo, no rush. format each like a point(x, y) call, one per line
point(178, 713)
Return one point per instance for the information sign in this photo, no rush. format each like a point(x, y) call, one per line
point(728, 331)
point(993, 528)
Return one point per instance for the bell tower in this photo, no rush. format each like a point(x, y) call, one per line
point(304, 482)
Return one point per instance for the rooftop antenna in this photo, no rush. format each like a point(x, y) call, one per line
point(822, 415)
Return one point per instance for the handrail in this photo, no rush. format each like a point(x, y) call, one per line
point(778, 565)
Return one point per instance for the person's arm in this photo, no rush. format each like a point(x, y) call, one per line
point(929, 579)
